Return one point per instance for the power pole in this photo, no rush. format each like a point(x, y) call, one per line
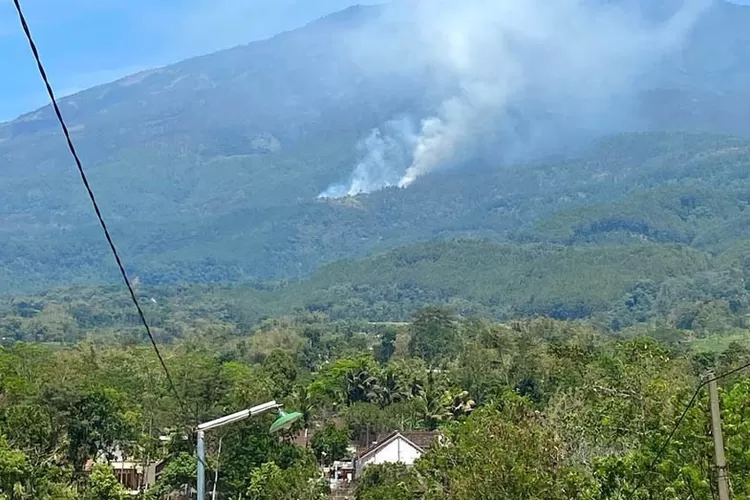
point(721, 462)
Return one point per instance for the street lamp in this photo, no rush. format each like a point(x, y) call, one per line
point(284, 421)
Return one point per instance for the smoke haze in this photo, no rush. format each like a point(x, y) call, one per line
point(516, 77)
point(383, 153)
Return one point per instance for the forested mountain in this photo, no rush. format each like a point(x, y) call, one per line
point(656, 187)
point(209, 169)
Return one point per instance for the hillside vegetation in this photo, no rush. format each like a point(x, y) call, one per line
point(208, 170)
point(534, 409)
point(616, 286)
point(648, 187)
point(551, 319)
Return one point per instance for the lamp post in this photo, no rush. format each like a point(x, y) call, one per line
point(284, 421)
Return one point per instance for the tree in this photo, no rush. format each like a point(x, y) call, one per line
point(282, 369)
point(271, 482)
point(361, 386)
point(330, 443)
point(201, 380)
point(303, 402)
point(434, 335)
point(336, 379)
point(246, 446)
point(387, 481)
point(14, 471)
point(96, 422)
point(459, 404)
point(366, 421)
point(684, 468)
point(437, 403)
point(29, 427)
point(103, 485)
point(391, 389)
point(19, 480)
point(55, 324)
point(503, 453)
point(178, 475)
point(387, 345)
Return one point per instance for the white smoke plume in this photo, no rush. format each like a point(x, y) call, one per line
point(383, 153)
point(573, 63)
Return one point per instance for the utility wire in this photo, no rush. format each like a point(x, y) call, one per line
point(113, 248)
point(690, 404)
point(90, 192)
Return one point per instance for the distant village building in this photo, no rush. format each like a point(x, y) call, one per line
point(396, 447)
point(339, 475)
point(134, 475)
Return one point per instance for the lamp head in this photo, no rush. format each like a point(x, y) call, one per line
point(285, 420)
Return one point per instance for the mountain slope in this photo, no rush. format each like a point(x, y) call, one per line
point(658, 187)
point(209, 169)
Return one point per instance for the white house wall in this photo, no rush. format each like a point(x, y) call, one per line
point(397, 450)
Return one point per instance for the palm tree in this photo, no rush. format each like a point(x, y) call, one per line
point(361, 386)
point(437, 404)
point(430, 402)
point(305, 404)
point(392, 390)
point(431, 409)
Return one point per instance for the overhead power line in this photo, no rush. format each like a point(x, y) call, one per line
point(84, 178)
point(115, 253)
point(677, 424)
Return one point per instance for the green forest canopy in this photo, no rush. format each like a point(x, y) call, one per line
point(653, 187)
point(532, 409)
point(613, 285)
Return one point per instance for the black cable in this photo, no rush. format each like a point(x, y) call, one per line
point(727, 374)
point(116, 255)
point(663, 447)
point(85, 180)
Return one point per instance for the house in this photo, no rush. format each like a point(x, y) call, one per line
point(396, 447)
point(134, 475)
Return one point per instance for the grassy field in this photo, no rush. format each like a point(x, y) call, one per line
point(720, 343)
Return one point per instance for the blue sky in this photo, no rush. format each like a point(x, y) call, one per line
point(89, 42)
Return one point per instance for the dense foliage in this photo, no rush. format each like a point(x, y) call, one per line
point(532, 409)
point(654, 188)
point(608, 281)
point(208, 169)
point(617, 286)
